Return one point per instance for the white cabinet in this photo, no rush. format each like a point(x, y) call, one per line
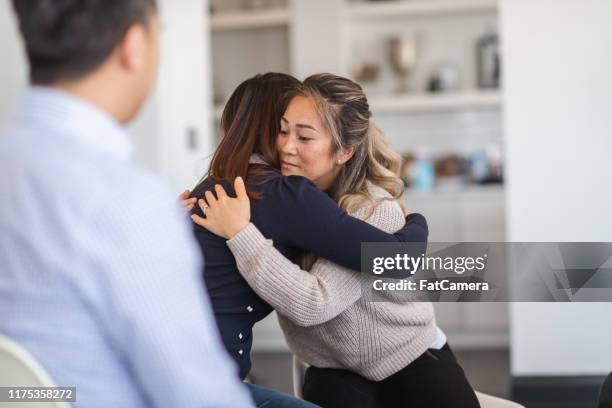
point(471, 214)
point(475, 214)
point(481, 216)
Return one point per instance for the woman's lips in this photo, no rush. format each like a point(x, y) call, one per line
point(288, 166)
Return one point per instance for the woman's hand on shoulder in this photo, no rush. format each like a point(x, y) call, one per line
point(186, 201)
point(225, 216)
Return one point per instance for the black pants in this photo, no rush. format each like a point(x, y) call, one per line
point(434, 380)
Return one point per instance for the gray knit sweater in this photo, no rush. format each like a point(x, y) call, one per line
point(325, 320)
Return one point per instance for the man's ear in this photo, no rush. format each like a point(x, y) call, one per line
point(131, 49)
point(345, 155)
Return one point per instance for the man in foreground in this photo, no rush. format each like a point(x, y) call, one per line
point(104, 299)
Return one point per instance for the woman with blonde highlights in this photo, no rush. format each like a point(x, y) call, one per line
point(361, 353)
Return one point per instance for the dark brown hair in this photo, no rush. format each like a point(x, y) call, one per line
point(250, 124)
point(68, 39)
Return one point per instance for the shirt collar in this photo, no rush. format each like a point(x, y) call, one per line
point(257, 159)
point(76, 118)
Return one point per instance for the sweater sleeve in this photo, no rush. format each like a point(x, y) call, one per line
point(307, 218)
point(306, 298)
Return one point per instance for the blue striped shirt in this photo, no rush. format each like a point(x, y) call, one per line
point(99, 277)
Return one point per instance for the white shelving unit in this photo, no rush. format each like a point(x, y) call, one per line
point(419, 8)
point(246, 20)
point(437, 102)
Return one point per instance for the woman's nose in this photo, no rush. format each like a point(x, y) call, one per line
point(287, 145)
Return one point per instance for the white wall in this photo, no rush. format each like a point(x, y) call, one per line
point(13, 72)
point(558, 127)
point(319, 40)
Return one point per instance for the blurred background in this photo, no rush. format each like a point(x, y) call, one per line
point(501, 109)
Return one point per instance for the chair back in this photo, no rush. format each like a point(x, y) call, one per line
point(18, 368)
point(605, 395)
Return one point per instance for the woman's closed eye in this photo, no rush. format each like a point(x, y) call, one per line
point(304, 138)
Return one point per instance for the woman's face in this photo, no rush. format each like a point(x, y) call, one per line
point(305, 145)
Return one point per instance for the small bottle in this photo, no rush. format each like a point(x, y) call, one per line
point(479, 167)
point(423, 176)
point(488, 59)
point(494, 156)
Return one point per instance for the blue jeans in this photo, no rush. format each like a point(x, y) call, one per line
point(267, 398)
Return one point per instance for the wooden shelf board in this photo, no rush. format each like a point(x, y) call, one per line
point(436, 102)
point(244, 20)
point(415, 8)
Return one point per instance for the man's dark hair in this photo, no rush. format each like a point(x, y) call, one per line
point(67, 39)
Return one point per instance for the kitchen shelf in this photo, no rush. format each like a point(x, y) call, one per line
point(457, 192)
point(244, 20)
point(409, 8)
point(425, 102)
point(437, 102)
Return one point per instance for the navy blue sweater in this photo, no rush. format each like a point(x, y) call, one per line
point(298, 217)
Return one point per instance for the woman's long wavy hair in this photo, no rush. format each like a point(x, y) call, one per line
point(344, 109)
point(250, 124)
